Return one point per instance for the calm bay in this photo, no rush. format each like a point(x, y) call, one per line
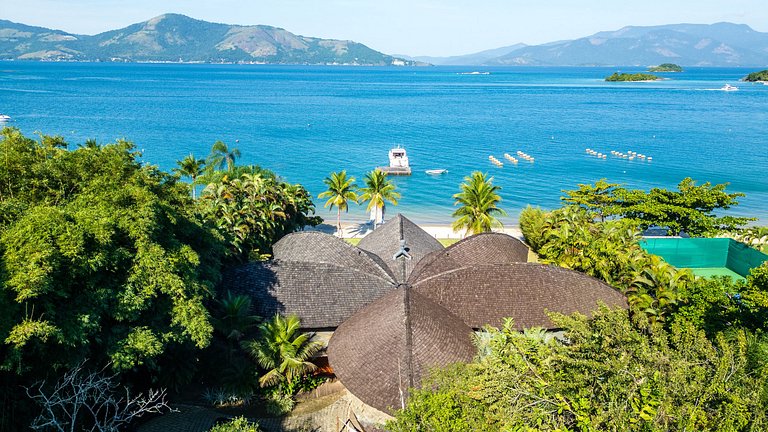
point(305, 121)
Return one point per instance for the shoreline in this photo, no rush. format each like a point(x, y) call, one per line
point(436, 230)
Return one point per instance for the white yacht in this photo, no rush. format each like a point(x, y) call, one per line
point(437, 171)
point(729, 87)
point(4, 118)
point(398, 163)
point(398, 158)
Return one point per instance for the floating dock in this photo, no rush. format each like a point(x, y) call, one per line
point(390, 170)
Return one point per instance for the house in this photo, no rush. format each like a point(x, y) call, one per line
point(400, 303)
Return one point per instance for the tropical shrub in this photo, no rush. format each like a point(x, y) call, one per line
point(237, 424)
point(607, 375)
point(570, 237)
point(255, 210)
point(283, 352)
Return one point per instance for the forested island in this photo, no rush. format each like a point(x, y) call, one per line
point(757, 76)
point(665, 67)
point(617, 77)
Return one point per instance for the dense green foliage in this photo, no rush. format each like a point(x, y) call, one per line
point(341, 190)
point(106, 258)
point(284, 352)
point(607, 376)
point(665, 67)
point(691, 208)
point(237, 424)
point(569, 237)
point(253, 209)
point(101, 256)
point(617, 77)
point(690, 354)
point(757, 76)
point(478, 201)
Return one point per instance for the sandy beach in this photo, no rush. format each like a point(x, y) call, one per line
point(439, 231)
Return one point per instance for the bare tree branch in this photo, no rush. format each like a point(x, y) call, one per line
point(91, 401)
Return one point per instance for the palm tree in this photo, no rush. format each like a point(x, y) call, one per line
point(341, 190)
point(378, 189)
point(233, 318)
point(283, 352)
point(190, 167)
point(222, 156)
point(479, 200)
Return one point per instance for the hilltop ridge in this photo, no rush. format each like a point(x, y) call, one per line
point(179, 38)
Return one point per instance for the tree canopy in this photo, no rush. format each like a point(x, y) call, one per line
point(631, 77)
point(692, 208)
point(101, 257)
point(757, 76)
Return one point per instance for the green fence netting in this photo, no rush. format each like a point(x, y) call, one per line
point(706, 253)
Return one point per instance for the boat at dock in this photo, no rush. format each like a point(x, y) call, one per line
point(398, 162)
point(436, 171)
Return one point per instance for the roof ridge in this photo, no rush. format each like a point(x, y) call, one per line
point(408, 339)
point(453, 270)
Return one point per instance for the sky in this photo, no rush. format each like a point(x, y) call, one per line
point(411, 27)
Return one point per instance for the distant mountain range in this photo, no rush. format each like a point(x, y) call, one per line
point(178, 38)
point(721, 44)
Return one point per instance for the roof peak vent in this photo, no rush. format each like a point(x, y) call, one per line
point(403, 252)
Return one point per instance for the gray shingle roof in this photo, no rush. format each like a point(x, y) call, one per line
point(384, 241)
point(316, 247)
point(388, 346)
point(480, 249)
point(323, 295)
point(485, 294)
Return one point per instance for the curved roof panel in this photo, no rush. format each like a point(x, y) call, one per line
point(384, 241)
point(322, 295)
point(479, 249)
point(486, 294)
point(387, 347)
point(320, 248)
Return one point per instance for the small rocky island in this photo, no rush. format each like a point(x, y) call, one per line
point(631, 77)
point(761, 76)
point(666, 67)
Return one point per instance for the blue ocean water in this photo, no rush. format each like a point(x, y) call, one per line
point(305, 121)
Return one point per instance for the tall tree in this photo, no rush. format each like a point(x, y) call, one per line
point(600, 198)
point(479, 205)
point(190, 167)
point(691, 208)
point(102, 259)
point(341, 190)
point(377, 191)
point(222, 156)
point(283, 352)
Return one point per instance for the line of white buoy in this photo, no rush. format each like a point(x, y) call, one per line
point(596, 154)
point(510, 158)
point(525, 156)
point(629, 155)
point(495, 161)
